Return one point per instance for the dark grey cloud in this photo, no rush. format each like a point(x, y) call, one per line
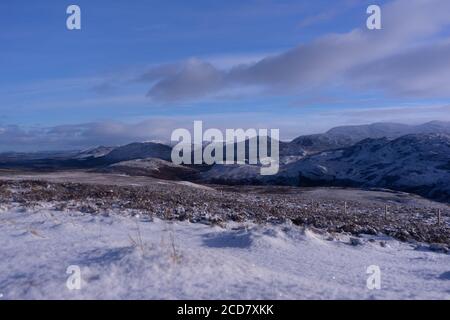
point(193, 79)
point(411, 32)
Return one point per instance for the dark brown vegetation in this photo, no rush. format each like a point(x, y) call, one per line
point(327, 210)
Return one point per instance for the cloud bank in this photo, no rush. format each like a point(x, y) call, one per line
point(409, 56)
point(109, 133)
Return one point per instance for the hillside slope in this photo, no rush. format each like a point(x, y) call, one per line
point(416, 163)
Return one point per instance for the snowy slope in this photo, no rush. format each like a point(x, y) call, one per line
point(95, 152)
point(416, 163)
point(131, 257)
point(345, 136)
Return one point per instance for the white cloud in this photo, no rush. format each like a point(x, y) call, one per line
point(410, 32)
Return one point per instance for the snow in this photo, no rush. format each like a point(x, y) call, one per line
point(122, 256)
point(95, 152)
point(416, 162)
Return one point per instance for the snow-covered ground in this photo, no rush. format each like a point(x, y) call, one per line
point(131, 257)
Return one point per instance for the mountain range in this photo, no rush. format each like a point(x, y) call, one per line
point(412, 158)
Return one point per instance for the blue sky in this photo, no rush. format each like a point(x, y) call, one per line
point(301, 66)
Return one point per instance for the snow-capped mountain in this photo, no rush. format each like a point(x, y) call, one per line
point(385, 155)
point(417, 163)
point(346, 136)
